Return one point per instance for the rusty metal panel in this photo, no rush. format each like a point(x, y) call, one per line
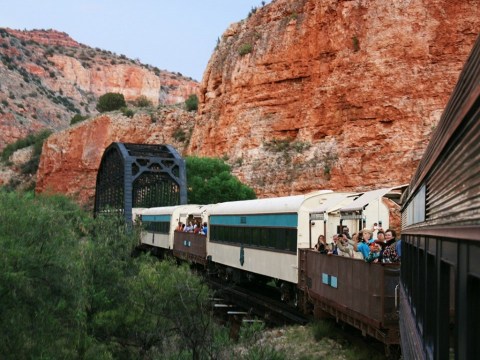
point(190, 246)
point(359, 289)
point(449, 168)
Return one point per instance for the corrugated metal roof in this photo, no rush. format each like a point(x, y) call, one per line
point(331, 204)
point(365, 199)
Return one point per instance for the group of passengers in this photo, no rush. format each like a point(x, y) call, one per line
point(193, 227)
point(383, 248)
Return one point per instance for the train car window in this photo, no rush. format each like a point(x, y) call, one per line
point(292, 239)
point(281, 239)
point(247, 236)
point(473, 326)
point(430, 304)
point(264, 241)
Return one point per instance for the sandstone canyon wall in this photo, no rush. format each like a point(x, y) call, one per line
point(46, 77)
point(71, 158)
point(302, 95)
point(311, 94)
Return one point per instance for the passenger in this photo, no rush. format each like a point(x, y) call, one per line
point(381, 239)
point(344, 248)
point(346, 232)
point(321, 245)
point(180, 226)
point(362, 244)
point(197, 227)
point(374, 254)
point(189, 227)
point(390, 254)
point(375, 229)
point(204, 230)
point(390, 237)
point(334, 246)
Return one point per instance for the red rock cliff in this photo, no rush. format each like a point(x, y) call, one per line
point(71, 158)
point(46, 77)
point(332, 94)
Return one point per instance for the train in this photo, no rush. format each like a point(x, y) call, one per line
point(272, 240)
point(428, 303)
point(440, 270)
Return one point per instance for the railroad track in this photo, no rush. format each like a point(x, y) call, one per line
point(257, 302)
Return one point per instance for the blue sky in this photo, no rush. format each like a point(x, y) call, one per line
point(174, 35)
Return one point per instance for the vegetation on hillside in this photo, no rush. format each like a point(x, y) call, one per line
point(209, 180)
point(37, 140)
point(191, 104)
point(110, 102)
point(71, 289)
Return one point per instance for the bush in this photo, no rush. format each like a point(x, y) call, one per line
point(192, 103)
point(143, 101)
point(127, 112)
point(245, 49)
point(77, 118)
point(179, 135)
point(32, 139)
point(111, 102)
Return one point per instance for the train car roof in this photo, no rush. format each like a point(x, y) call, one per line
point(333, 203)
point(286, 204)
point(170, 209)
point(370, 196)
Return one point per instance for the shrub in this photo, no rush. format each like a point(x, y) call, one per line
point(77, 118)
point(111, 102)
point(143, 101)
point(356, 44)
point(127, 112)
point(179, 135)
point(245, 49)
point(192, 103)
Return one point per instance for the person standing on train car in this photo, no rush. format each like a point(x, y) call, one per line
point(321, 245)
point(344, 248)
point(204, 230)
point(346, 233)
point(390, 254)
point(362, 245)
point(334, 245)
point(179, 227)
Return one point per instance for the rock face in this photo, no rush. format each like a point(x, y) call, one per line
point(46, 77)
point(71, 158)
point(305, 95)
point(301, 96)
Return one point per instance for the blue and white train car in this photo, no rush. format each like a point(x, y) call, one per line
point(160, 223)
point(262, 236)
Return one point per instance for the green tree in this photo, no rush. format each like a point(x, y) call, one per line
point(40, 277)
point(191, 103)
point(209, 180)
point(69, 288)
point(111, 102)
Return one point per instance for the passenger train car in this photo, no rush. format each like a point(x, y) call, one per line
point(440, 274)
point(259, 239)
